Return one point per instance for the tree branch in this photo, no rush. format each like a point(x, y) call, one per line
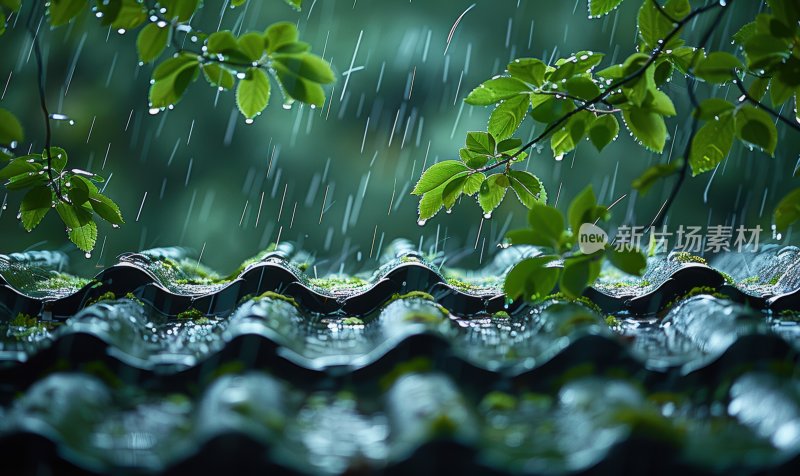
point(616, 85)
point(738, 82)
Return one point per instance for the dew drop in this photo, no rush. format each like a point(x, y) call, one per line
point(87, 255)
point(154, 110)
point(559, 157)
point(487, 216)
point(249, 120)
point(422, 222)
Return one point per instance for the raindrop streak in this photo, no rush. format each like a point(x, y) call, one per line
point(455, 25)
point(141, 206)
point(350, 69)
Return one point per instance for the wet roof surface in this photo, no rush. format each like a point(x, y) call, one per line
point(159, 364)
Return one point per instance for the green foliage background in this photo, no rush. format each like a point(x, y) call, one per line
point(227, 165)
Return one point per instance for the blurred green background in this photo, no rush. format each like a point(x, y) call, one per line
point(204, 171)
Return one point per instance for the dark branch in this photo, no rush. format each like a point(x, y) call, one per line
point(738, 82)
point(663, 12)
point(43, 101)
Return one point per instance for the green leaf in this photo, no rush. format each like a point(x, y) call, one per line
point(480, 142)
point(655, 173)
point(58, 158)
point(660, 103)
point(252, 45)
point(252, 93)
point(639, 90)
point(685, 58)
point(764, 50)
point(758, 88)
point(779, 92)
point(582, 209)
point(712, 108)
point(755, 127)
point(604, 130)
point(62, 11)
point(10, 128)
point(172, 77)
point(492, 192)
point(582, 87)
point(575, 277)
point(453, 189)
point(106, 208)
point(296, 4)
point(306, 65)
point(437, 175)
point(473, 183)
point(663, 72)
point(299, 88)
point(182, 10)
point(218, 76)
point(530, 70)
point(580, 62)
point(711, 144)
point(19, 166)
point(474, 160)
point(718, 67)
point(507, 117)
point(552, 109)
point(128, 14)
point(84, 236)
point(35, 206)
point(528, 188)
point(647, 127)
point(430, 203)
point(628, 261)
point(172, 66)
point(78, 192)
point(745, 33)
point(788, 210)
point(151, 42)
point(533, 279)
point(237, 3)
point(13, 5)
point(223, 42)
point(509, 145)
point(547, 225)
point(654, 26)
point(570, 134)
point(73, 216)
point(496, 90)
point(598, 8)
point(279, 34)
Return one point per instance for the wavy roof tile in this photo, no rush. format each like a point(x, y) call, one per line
point(161, 365)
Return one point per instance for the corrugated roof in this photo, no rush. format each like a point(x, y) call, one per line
point(159, 364)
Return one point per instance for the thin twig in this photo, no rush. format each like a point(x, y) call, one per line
point(43, 102)
point(663, 12)
point(738, 82)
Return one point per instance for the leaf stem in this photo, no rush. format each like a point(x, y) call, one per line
point(43, 101)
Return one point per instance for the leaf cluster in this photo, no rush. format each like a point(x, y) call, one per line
point(563, 267)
